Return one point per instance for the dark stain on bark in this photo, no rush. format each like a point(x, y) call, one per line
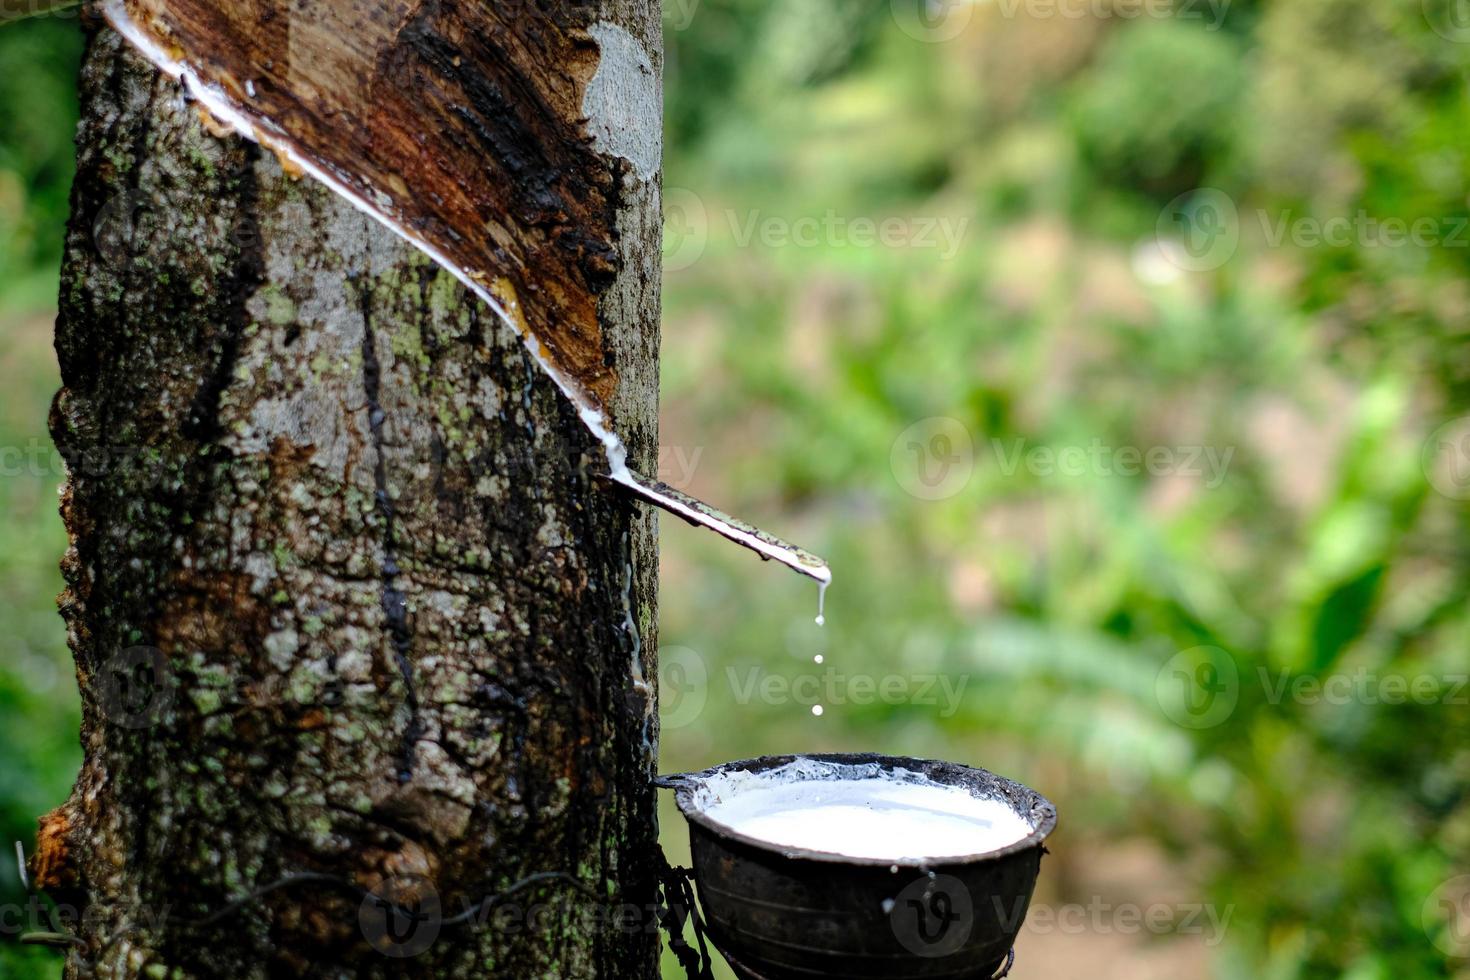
point(240, 283)
point(395, 603)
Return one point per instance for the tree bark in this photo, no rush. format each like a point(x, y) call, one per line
point(358, 628)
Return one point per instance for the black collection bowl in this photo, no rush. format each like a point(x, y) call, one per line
point(783, 913)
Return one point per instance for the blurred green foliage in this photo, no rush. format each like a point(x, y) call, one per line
point(1161, 106)
point(39, 713)
point(1060, 307)
point(38, 115)
point(1063, 599)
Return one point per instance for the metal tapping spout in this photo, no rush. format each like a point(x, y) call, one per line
point(700, 514)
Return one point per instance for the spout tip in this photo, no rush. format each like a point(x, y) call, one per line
point(697, 512)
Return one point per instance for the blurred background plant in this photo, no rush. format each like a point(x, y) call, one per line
point(1085, 340)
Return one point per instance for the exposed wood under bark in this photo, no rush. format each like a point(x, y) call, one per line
point(427, 114)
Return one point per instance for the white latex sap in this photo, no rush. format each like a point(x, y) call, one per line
point(895, 816)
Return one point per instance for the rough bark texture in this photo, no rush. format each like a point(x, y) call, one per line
point(401, 626)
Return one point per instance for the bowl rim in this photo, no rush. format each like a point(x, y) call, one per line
point(1042, 815)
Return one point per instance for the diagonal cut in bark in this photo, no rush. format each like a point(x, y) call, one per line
point(423, 115)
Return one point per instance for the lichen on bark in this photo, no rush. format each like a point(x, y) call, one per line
point(390, 597)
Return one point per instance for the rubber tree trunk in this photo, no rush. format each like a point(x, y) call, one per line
point(357, 626)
